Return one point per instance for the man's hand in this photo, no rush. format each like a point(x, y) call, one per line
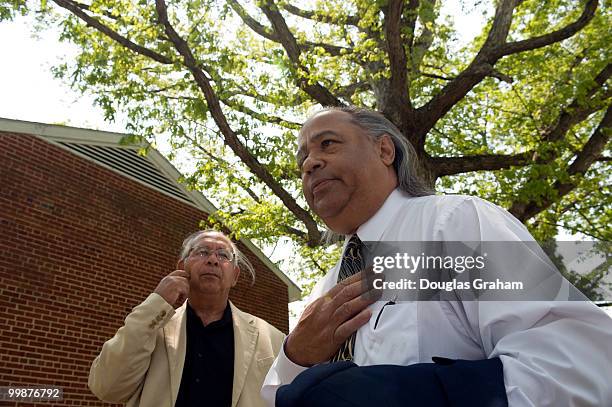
point(174, 288)
point(329, 321)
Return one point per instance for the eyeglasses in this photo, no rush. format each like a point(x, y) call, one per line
point(223, 255)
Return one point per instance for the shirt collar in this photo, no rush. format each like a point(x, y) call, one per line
point(225, 319)
point(372, 229)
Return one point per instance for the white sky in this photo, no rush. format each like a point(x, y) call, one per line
point(29, 91)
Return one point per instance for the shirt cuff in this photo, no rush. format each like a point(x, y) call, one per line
point(282, 372)
point(287, 370)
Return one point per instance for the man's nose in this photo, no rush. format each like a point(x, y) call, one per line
point(311, 163)
point(213, 259)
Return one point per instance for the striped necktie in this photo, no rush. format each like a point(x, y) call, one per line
point(352, 262)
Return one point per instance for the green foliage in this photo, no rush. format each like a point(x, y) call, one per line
point(591, 284)
point(256, 83)
point(10, 8)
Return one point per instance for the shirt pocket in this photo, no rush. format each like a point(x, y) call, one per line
point(391, 340)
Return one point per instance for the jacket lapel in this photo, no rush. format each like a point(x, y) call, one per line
point(245, 339)
point(175, 335)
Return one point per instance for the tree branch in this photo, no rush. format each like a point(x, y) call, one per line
point(543, 40)
point(434, 76)
point(269, 34)
point(348, 91)
point(250, 93)
point(410, 14)
point(253, 24)
point(263, 117)
point(587, 220)
point(324, 18)
point(295, 232)
point(443, 166)
point(318, 266)
point(574, 113)
point(577, 111)
point(593, 147)
point(422, 44)
point(105, 13)
point(93, 22)
point(590, 152)
point(494, 74)
point(318, 92)
point(398, 107)
point(573, 229)
point(288, 229)
point(231, 139)
point(482, 65)
point(329, 19)
point(227, 165)
point(333, 50)
point(501, 76)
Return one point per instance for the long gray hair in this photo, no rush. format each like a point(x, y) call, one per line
point(405, 162)
point(240, 259)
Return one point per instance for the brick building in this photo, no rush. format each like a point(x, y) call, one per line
point(87, 229)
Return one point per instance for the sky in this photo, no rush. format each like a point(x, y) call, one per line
point(30, 92)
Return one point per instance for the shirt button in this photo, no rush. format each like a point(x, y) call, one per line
point(197, 380)
point(199, 355)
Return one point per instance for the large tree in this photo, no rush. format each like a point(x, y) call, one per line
point(520, 115)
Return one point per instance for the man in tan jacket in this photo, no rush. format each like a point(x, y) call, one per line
point(199, 352)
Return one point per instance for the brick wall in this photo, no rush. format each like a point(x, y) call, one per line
point(80, 246)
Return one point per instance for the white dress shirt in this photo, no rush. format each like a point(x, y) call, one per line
point(553, 353)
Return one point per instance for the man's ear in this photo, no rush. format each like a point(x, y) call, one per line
point(236, 275)
point(387, 150)
point(180, 265)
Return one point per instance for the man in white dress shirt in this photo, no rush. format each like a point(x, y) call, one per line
point(356, 176)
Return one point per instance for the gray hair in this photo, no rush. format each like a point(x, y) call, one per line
point(405, 162)
point(240, 259)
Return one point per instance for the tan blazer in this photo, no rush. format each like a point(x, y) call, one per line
point(143, 363)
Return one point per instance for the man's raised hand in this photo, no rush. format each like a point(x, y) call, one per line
point(174, 288)
point(328, 321)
